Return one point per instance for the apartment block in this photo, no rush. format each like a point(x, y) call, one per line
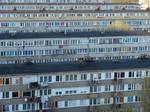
point(72, 86)
point(71, 46)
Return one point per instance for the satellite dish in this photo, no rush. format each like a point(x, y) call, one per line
point(25, 99)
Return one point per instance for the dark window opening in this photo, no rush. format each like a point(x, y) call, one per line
point(26, 93)
point(15, 94)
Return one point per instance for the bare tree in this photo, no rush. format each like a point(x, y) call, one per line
point(146, 94)
point(118, 25)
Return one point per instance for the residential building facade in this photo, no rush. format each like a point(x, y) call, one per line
point(66, 16)
point(63, 87)
point(65, 46)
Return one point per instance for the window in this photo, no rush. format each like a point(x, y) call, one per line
point(45, 78)
point(14, 94)
point(33, 106)
point(24, 106)
point(58, 78)
point(41, 92)
point(41, 79)
point(122, 87)
point(75, 77)
point(7, 81)
point(122, 74)
point(94, 101)
point(137, 98)
point(99, 89)
point(115, 75)
point(71, 77)
point(91, 76)
point(108, 75)
point(66, 103)
point(49, 78)
point(7, 94)
point(28, 93)
point(147, 73)
point(74, 91)
point(129, 86)
point(99, 76)
point(93, 89)
point(91, 102)
point(82, 102)
point(83, 76)
point(130, 99)
point(121, 99)
point(106, 100)
point(139, 74)
point(15, 107)
point(67, 92)
point(45, 91)
point(131, 74)
point(58, 93)
point(67, 77)
point(107, 88)
point(49, 91)
point(28, 106)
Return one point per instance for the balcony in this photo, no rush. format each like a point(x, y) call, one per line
point(93, 82)
point(44, 85)
point(33, 99)
point(118, 80)
point(34, 85)
point(92, 96)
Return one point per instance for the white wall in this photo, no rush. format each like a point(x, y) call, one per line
point(29, 78)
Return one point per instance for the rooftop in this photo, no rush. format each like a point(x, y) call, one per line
point(73, 66)
point(36, 35)
point(69, 3)
point(75, 11)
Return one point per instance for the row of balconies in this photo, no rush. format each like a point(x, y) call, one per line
point(96, 82)
point(36, 85)
point(33, 99)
